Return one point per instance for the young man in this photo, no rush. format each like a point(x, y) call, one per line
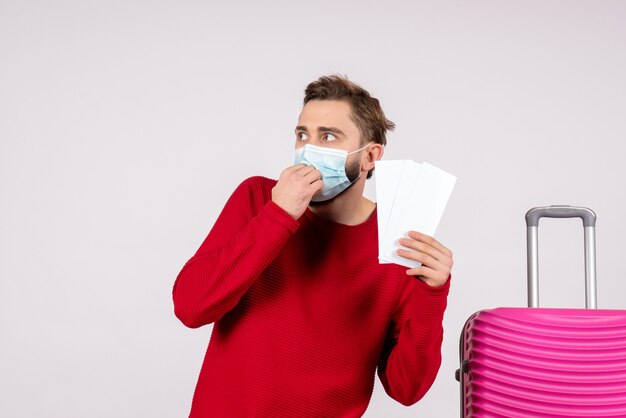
point(304, 314)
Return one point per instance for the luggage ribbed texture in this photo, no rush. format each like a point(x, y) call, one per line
point(545, 363)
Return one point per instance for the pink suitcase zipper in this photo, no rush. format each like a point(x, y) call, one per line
point(544, 362)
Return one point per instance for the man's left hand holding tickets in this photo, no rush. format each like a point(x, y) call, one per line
point(436, 259)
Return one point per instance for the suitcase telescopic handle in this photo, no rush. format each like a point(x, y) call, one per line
point(589, 223)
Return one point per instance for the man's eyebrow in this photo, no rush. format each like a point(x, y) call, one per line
point(301, 128)
point(330, 129)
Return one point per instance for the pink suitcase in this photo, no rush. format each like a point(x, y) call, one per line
point(541, 362)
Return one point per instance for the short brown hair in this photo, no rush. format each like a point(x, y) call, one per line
point(366, 111)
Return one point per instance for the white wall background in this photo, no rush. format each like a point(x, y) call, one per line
point(125, 125)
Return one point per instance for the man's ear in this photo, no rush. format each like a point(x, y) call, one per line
point(374, 153)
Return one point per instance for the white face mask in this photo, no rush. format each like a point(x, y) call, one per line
point(332, 163)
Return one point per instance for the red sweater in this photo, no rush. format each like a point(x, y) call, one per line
point(304, 315)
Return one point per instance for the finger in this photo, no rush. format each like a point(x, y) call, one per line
point(316, 186)
point(303, 168)
point(418, 236)
point(423, 258)
point(426, 273)
point(299, 171)
point(427, 249)
point(295, 167)
point(420, 271)
point(313, 175)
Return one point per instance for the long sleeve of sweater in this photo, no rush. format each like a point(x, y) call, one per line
point(412, 354)
point(241, 244)
point(304, 314)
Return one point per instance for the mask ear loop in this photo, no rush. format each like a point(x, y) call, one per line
point(360, 149)
point(352, 152)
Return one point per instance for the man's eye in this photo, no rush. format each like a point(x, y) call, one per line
point(329, 137)
point(302, 136)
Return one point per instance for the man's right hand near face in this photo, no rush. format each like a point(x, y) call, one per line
point(295, 188)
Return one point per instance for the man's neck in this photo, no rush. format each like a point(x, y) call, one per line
point(351, 208)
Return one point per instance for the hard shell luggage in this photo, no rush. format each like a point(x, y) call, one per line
point(545, 362)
